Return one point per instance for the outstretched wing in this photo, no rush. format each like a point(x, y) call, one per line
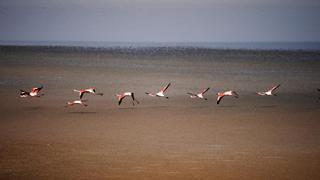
point(219, 99)
point(165, 88)
point(81, 93)
point(36, 89)
point(205, 90)
point(133, 98)
point(120, 100)
point(275, 87)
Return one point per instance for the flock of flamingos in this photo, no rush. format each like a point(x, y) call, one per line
point(35, 92)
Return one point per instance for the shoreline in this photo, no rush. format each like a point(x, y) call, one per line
point(143, 48)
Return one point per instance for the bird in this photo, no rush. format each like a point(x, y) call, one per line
point(33, 93)
point(226, 93)
point(269, 92)
point(80, 102)
point(199, 95)
point(125, 94)
point(160, 93)
point(89, 90)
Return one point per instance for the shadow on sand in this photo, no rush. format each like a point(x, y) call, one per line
point(126, 108)
point(227, 106)
point(82, 112)
point(34, 108)
point(266, 106)
point(200, 107)
point(156, 107)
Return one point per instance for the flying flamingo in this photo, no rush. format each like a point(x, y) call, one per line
point(269, 92)
point(33, 93)
point(125, 94)
point(160, 93)
point(226, 93)
point(79, 102)
point(199, 95)
point(89, 90)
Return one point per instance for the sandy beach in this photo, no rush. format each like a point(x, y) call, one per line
point(251, 137)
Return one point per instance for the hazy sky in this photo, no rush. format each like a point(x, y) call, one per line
point(160, 20)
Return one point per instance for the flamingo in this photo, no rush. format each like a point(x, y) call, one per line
point(160, 93)
point(269, 92)
point(226, 93)
point(89, 90)
point(33, 93)
point(125, 94)
point(199, 95)
point(80, 102)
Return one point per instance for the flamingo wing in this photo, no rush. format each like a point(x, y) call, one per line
point(120, 100)
point(205, 90)
point(132, 96)
point(165, 88)
point(81, 93)
point(134, 99)
point(36, 89)
point(219, 99)
point(275, 87)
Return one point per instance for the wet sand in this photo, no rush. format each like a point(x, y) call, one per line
point(180, 138)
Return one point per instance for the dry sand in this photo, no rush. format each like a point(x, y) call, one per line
point(179, 138)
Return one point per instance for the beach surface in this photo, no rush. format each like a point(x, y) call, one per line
point(250, 137)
